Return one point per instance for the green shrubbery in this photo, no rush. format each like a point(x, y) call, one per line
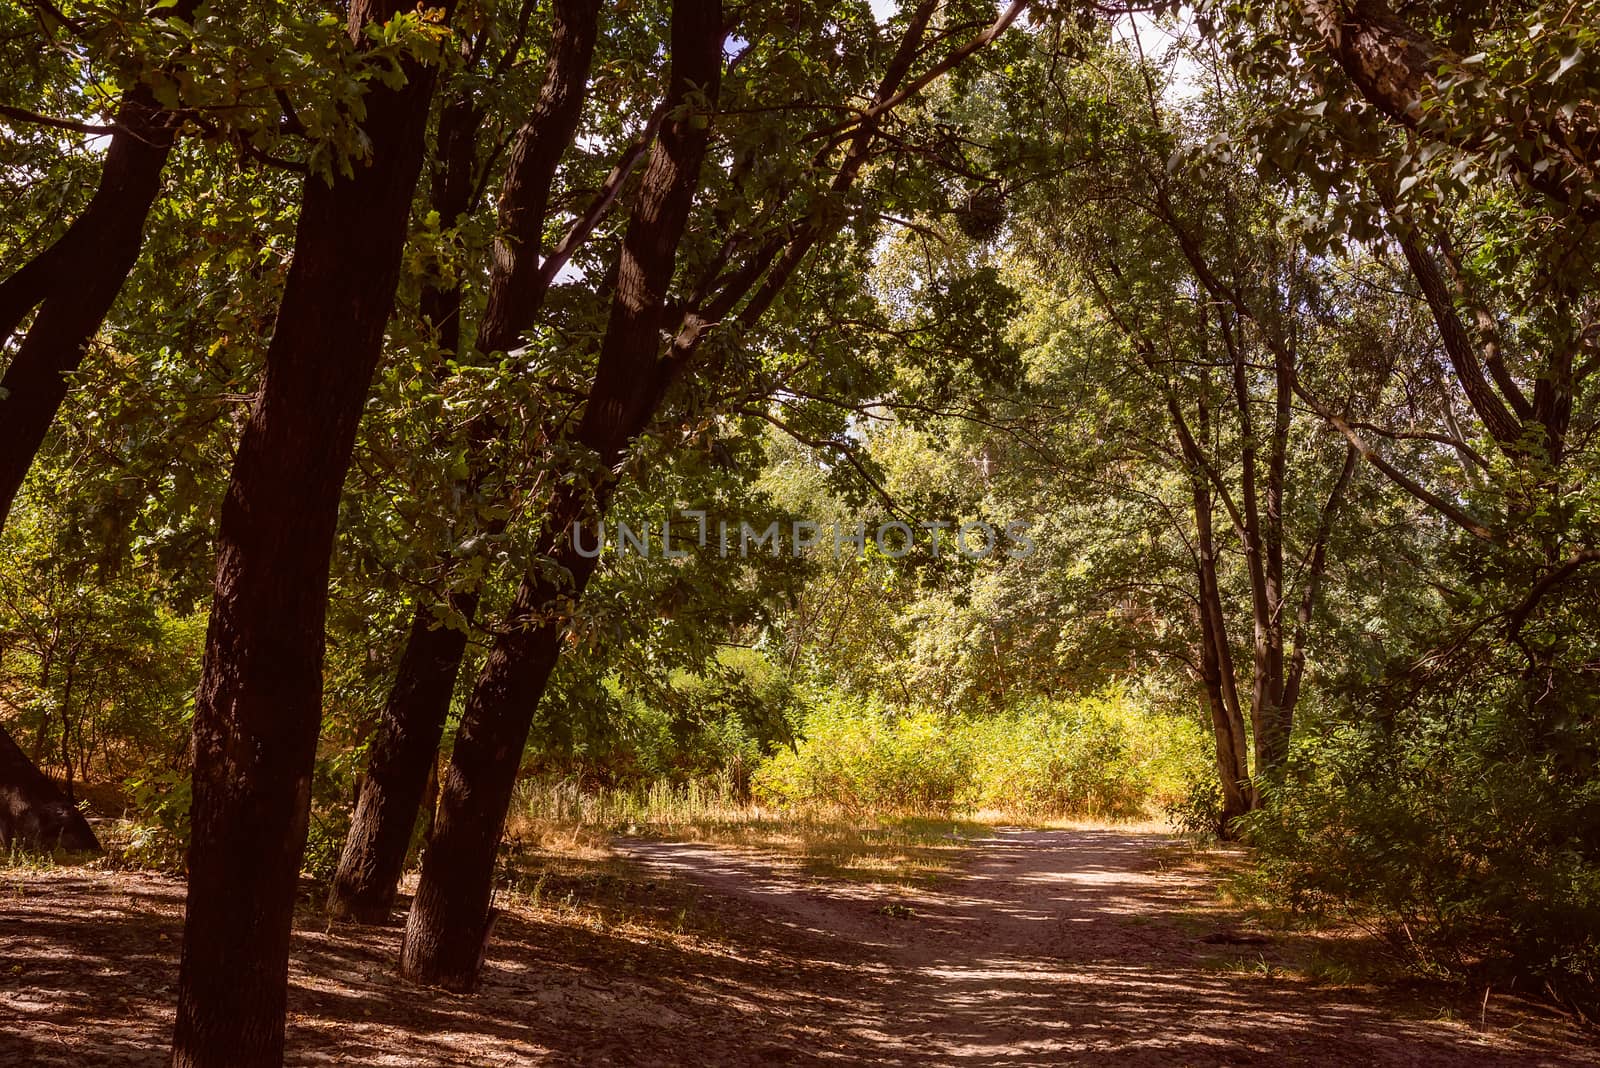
point(1462, 837)
point(1104, 756)
point(683, 727)
point(861, 756)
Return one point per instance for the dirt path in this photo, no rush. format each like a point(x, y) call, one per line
point(1059, 947)
point(1068, 946)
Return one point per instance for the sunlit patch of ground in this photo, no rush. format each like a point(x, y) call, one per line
point(887, 943)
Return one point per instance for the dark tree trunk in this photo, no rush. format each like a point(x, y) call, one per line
point(516, 287)
point(34, 813)
point(73, 284)
point(258, 708)
point(448, 926)
point(446, 930)
point(397, 769)
point(419, 702)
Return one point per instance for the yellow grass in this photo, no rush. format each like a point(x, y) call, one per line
point(557, 817)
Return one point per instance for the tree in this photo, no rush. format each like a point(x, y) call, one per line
point(34, 813)
point(1549, 141)
point(448, 927)
point(447, 930)
point(259, 704)
point(413, 719)
point(71, 285)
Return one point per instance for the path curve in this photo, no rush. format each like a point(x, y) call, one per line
point(1076, 946)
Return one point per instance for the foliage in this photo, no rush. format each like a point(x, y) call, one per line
point(1470, 851)
point(96, 673)
point(1105, 756)
point(1116, 296)
point(682, 727)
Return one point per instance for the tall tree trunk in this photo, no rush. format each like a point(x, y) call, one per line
point(1252, 541)
point(448, 926)
point(419, 702)
point(1261, 537)
point(74, 282)
point(1272, 750)
point(258, 708)
point(1216, 668)
point(34, 813)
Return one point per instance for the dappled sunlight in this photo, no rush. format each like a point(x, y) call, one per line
point(1066, 943)
point(1041, 947)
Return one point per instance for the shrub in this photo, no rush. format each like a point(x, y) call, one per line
point(679, 727)
point(1103, 756)
point(1456, 834)
point(859, 755)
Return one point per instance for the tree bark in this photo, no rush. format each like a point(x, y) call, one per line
point(419, 702)
point(1502, 424)
point(1216, 668)
point(34, 813)
point(258, 707)
point(447, 928)
point(74, 282)
point(1261, 537)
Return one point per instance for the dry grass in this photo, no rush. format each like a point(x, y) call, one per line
point(557, 818)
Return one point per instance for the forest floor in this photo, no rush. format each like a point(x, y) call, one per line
point(1046, 947)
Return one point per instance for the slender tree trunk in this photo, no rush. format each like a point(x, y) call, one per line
point(448, 926)
point(419, 702)
point(34, 813)
point(73, 284)
point(258, 708)
point(1316, 568)
point(1261, 537)
point(1216, 669)
point(1272, 751)
point(1252, 542)
point(397, 769)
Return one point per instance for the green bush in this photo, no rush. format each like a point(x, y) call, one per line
point(1102, 756)
point(1459, 835)
point(680, 727)
point(859, 755)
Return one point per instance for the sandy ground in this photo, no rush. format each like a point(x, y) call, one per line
point(1053, 947)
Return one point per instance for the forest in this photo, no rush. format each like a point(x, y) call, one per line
point(764, 531)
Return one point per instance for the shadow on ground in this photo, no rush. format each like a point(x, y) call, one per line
point(1055, 947)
